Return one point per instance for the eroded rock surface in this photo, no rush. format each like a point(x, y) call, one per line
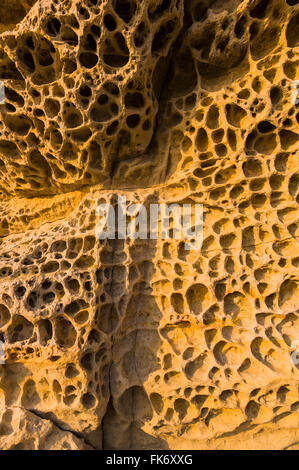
point(123, 344)
point(12, 12)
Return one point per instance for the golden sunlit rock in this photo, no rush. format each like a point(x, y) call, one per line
point(141, 343)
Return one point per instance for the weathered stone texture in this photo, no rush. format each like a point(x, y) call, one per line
point(132, 344)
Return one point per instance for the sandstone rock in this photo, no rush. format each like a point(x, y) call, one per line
point(136, 344)
point(24, 430)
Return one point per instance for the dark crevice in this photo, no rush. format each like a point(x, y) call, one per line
point(160, 79)
point(162, 94)
point(114, 262)
point(58, 424)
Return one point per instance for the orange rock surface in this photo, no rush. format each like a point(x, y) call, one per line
point(142, 344)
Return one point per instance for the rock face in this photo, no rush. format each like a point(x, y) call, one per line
point(142, 344)
point(12, 12)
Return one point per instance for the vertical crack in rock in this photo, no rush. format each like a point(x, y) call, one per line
point(59, 425)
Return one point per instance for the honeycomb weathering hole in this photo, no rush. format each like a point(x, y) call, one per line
point(12, 12)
